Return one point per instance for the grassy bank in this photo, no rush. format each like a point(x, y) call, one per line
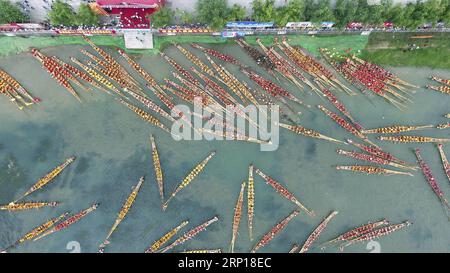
point(394, 49)
point(428, 57)
point(14, 45)
point(313, 43)
point(18, 44)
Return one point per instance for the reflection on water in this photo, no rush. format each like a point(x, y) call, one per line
point(113, 151)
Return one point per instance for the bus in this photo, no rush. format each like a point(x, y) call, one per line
point(250, 25)
point(299, 25)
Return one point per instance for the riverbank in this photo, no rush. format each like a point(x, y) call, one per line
point(393, 49)
point(406, 49)
point(14, 45)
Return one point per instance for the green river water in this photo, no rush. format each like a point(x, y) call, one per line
point(113, 151)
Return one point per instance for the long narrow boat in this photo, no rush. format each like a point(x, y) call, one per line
point(250, 201)
point(145, 75)
point(6, 89)
point(217, 54)
point(163, 97)
point(215, 89)
point(203, 251)
point(190, 177)
point(356, 232)
point(291, 68)
point(340, 106)
point(111, 61)
point(318, 77)
point(376, 233)
point(387, 73)
point(123, 211)
point(274, 90)
point(300, 130)
point(56, 72)
point(257, 56)
point(69, 221)
point(370, 170)
point(157, 168)
point(150, 104)
point(283, 191)
point(443, 126)
point(94, 74)
point(440, 80)
point(37, 231)
point(281, 67)
point(237, 217)
point(100, 51)
point(116, 76)
point(314, 67)
point(365, 78)
point(372, 159)
point(98, 60)
point(442, 89)
point(145, 116)
point(230, 135)
point(164, 239)
point(395, 129)
point(227, 80)
point(78, 73)
point(198, 90)
point(275, 231)
point(47, 178)
point(316, 233)
point(344, 124)
point(379, 153)
point(27, 206)
point(113, 71)
point(426, 170)
point(195, 60)
point(243, 88)
point(190, 234)
point(19, 88)
point(190, 93)
point(294, 249)
point(413, 139)
point(445, 163)
point(180, 69)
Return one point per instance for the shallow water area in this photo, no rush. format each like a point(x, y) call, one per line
point(113, 151)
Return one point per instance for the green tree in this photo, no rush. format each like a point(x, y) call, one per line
point(387, 6)
point(340, 13)
point(281, 16)
point(375, 15)
point(85, 16)
point(295, 10)
point(236, 13)
point(263, 10)
point(162, 17)
point(310, 8)
point(395, 15)
point(434, 10)
point(11, 13)
point(419, 15)
point(184, 17)
point(212, 12)
point(62, 14)
point(445, 17)
point(362, 12)
point(323, 11)
point(406, 19)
